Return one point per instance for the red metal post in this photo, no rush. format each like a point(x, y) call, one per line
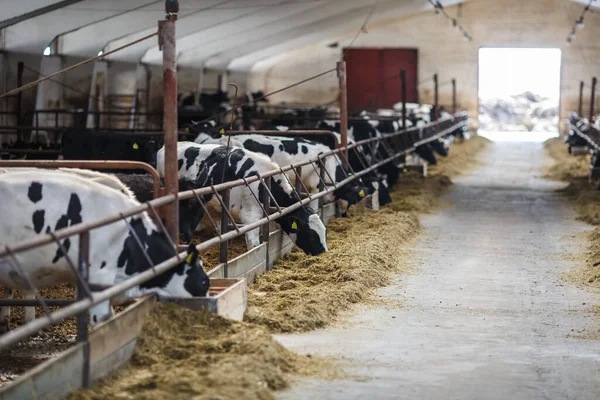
point(592, 100)
point(435, 97)
point(453, 96)
point(341, 70)
point(167, 43)
point(580, 107)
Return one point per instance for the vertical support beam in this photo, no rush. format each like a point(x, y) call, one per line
point(435, 98)
point(453, 96)
point(403, 83)
point(593, 99)
point(20, 71)
point(166, 30)
point(580, 107)
point(224, 246)
point(82, 318)
point(265, 229)
point(341, 71)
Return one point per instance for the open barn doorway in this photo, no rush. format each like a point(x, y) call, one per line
point(519, 92)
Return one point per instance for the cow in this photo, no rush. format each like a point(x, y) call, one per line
point(290, 150)
point(84, 144)
point(212, 164)
point(376, 185)
point(49, 201)
point(362, 130)
point(139, 187)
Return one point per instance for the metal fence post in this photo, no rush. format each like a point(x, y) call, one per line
point(454, 96)
point(403, 83)
point(435, 98)
point(20, 70)
point(593, 99)
point(580, 107)
point(265, 229)
point(224, 246)
point(82, 318)
point(167, 42)
point(341, 71)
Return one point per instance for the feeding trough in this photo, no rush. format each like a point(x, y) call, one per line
point(228, 297)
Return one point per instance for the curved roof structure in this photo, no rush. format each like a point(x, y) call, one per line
point(215, 34)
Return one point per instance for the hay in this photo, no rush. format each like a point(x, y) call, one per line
point(303, 293)
point(183, 354)
point(463, 157)
point(566, 166)
point(586, 200)
point(210, 257)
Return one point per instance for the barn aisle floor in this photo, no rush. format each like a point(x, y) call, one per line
point(486, 316)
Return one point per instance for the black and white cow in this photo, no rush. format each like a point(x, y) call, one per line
point(290, 150)
point(52, 200)
point(211, 164)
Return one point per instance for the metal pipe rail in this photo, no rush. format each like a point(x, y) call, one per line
point(80, 306)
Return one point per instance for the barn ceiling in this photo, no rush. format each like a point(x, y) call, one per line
point(219, 34)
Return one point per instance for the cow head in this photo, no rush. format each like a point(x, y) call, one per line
point(197, 282)
point(384, 191)
point(349, 195)
point(438, 147)
point(426, 153)
point(207, 129)
point(186, 279)
point(308, 228)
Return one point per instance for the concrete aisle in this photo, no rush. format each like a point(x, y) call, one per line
point(487, 315)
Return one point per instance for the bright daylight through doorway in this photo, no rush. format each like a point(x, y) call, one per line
point(519, 90)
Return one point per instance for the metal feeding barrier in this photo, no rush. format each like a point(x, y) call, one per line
point(591, 135)
point(402, 142)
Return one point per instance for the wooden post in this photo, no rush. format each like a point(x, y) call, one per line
point(341, 71)
point(403, 83)
point(167, 42)
point(435, 98)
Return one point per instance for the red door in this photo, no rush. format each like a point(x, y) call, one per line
point(373, 77)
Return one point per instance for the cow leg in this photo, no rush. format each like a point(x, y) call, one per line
point(29, 311)
point(5, 311)
point(249, 214)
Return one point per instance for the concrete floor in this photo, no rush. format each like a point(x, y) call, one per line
point(487, 315)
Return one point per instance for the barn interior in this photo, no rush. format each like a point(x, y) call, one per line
point(480, 279)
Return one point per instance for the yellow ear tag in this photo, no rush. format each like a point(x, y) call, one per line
point(188, 259)
point(187, 130)
point(294, 225)
point(135, 146)
point(40, 148)
point(361, 193)
point(222, 131)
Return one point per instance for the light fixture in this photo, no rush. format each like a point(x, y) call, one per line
point(573, 33)
point(47, 51)
point(100, 53)
point(580, 23)
point(454, 24)
point(569, 40)
point(467, 37)
point(436, 12)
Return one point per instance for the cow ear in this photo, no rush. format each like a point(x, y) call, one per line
point(192, 256)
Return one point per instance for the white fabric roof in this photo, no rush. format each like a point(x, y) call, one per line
point(219, 34)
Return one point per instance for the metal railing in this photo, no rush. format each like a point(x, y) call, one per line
point(402, 142)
